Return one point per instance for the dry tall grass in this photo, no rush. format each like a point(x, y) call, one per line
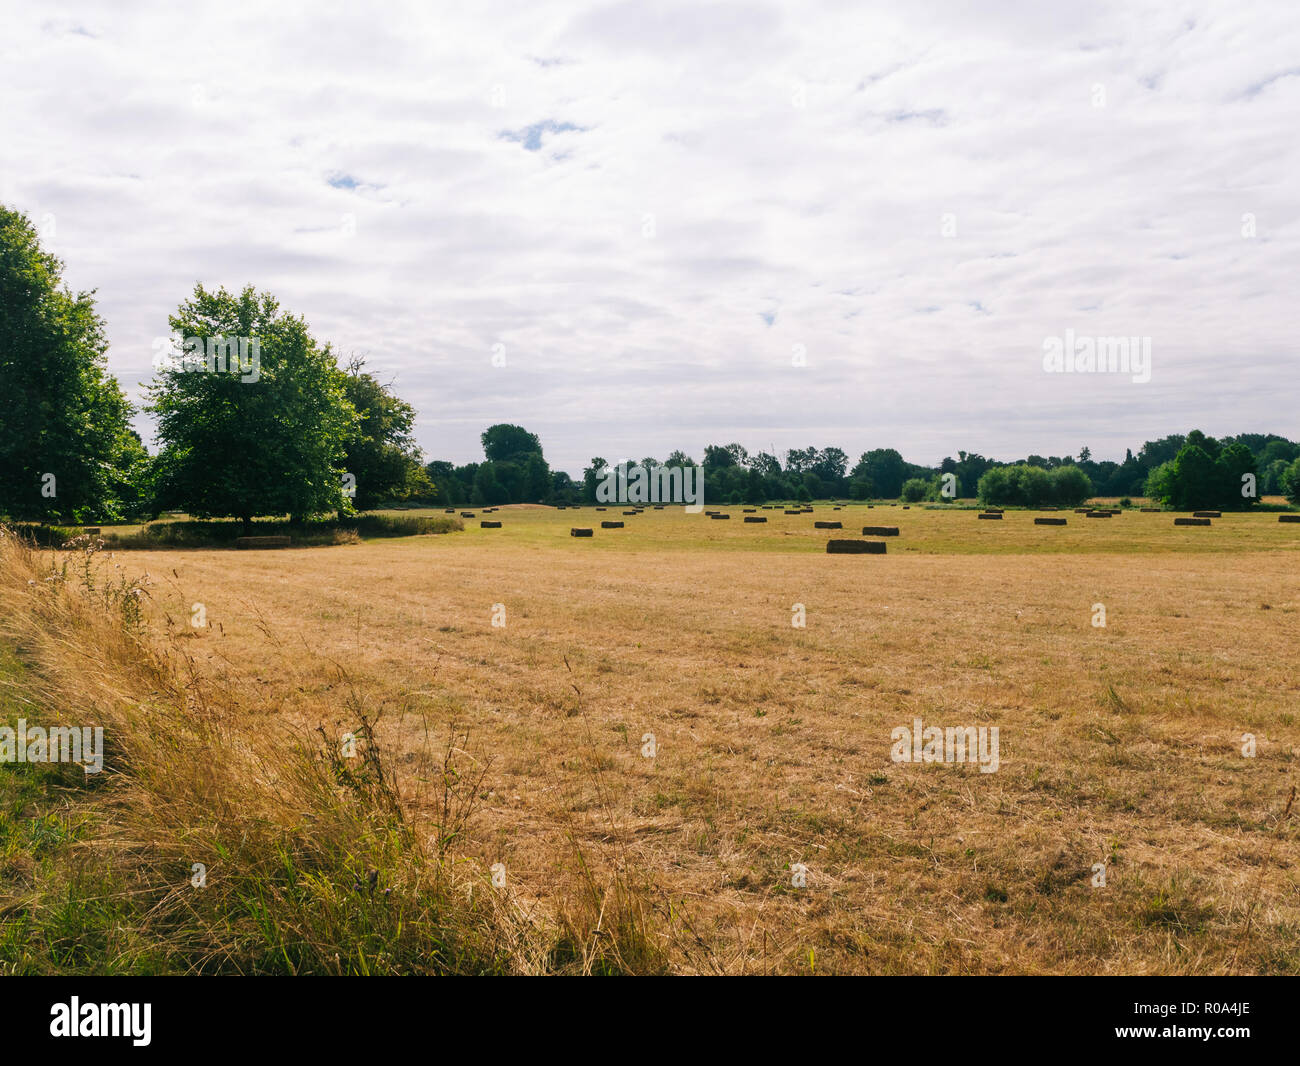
point(309, 863)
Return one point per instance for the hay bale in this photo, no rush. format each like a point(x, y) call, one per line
point(1206, 514)
point(659, 507)
point(855, 547)
point(1191, 521)
point(1150, 510)
point(1288, 518)
point(580, 533)
point(449, 510)
point(631, 512)
point(1082, 510)
point(747, 510)
point(611, 525)
point(602, 508)
point(794, 512)
point(467, 514)
point(995, 510)
point(880, 531)
point(1049, 521)
point(997, 515)
point(718, 515)
point(1096, 514)
point(763, 518)
point(828, 525)
point(489, 525)
point(261, 542)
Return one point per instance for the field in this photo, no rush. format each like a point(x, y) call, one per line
point(1120, 744)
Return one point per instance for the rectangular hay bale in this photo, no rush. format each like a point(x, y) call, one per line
point(855, 547)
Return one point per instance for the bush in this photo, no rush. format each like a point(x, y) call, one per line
point(1290, 482)
point(914, 490)
point(1032, 486)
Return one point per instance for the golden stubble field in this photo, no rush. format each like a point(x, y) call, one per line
point(1119, 745)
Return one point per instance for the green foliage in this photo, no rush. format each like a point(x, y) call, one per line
point(1290, 482)
point(914, 490)
point(381, 454)
point(1205, 475)
point(504, 442)
point(1024, 485)
point(67, 452)
point(883, 470)
point(237, 447)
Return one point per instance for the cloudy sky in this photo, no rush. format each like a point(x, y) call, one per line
point(675, 224)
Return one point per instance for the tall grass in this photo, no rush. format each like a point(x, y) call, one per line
point(216, 843)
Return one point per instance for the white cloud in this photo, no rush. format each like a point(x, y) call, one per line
point(651, 205)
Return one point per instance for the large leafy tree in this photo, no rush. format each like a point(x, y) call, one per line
point(67, 451)
point(1204, 474)
point(503, 443)
point(882, 469)
point(236, 444)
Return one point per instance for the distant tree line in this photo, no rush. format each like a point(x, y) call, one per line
point(256, 417)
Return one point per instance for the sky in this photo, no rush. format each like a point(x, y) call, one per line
point(635, 227)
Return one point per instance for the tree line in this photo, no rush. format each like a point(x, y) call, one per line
point(256, 417)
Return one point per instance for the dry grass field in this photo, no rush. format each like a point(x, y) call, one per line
point(1120, 744)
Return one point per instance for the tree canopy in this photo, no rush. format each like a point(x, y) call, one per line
point(67, 450)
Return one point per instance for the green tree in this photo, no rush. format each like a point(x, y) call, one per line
point(1290, 482)
point(487, 490)
point(913, 490)
point(381, 454)
point(883, 467)
point(1070, 486)
point(504, 443)
point(67, 450)
point(245, 444)
point(1238, 472)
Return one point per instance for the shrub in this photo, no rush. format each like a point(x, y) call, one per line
point(1290, 482)
point(1023, 485)
point(914, 490)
